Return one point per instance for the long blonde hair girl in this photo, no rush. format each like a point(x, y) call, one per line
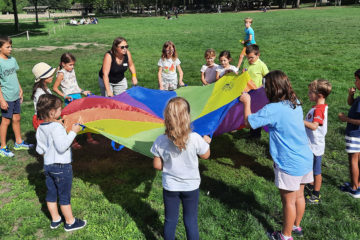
point(177, 121)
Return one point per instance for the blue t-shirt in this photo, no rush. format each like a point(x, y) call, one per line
point(180, 168)
point(354, 112)
point(289, 146)
point(10, 87)
point(249, 31)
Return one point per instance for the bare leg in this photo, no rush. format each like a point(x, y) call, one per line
point(288, 199)
point(300, 204)
point(67, 212)
point(16, 128)
point(5, 122)
point(354, 169)
point(53, 209)
point(318, 181)
point(240, 61)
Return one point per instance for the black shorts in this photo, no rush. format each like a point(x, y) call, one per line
point(14, 108)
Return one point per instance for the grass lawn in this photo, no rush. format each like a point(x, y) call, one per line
point(120, 194)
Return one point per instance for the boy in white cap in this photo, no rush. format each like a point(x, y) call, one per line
point(43, 76)
point(11, 96)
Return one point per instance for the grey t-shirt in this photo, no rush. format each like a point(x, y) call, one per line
point(180, 168)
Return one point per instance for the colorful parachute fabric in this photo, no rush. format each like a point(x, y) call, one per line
point(135, 117)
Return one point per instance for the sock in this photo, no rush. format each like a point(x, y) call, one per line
point(316, 193)
point(285, 237)
point(295, 227)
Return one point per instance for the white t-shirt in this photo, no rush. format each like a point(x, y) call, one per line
point(319, 114)
point(209, 73)
point(37, 94)
point(69, 84)
point(168, 73)
point(222, 70)
point(180, 168)
point(54, 143)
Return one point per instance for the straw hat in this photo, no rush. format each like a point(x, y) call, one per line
point(42, 70)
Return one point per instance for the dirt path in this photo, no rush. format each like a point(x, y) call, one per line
point(68, 47)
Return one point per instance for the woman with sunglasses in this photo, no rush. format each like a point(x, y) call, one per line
point(112, 80)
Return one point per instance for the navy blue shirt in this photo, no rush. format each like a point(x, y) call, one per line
point(354, 112)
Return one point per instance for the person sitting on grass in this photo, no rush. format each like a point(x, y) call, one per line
point(53, 143)
point(176, 155)
point(352, 137)
point(289, 148)
point(316, 129)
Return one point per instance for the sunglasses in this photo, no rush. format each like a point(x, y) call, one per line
point(123, 47)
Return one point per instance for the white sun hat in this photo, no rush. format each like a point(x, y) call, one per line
point(42, 70)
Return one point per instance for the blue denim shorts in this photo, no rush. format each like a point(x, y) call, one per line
point(14, 108)
point(58, 182)
point(317, 165)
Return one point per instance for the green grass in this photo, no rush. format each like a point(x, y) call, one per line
point(120, 194)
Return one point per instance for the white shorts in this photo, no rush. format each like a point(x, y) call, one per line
point(287, 182)
point(352, 144)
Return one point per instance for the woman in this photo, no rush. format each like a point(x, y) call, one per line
point(112, 80)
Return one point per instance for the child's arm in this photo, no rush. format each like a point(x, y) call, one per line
point(160, 79)
point(181, 75)
point(344, 118)
point(207, 154)
point(246, 99)
point(157, 163)
point(57, 83)
point(62, 140)
point(350, 99)
point(203, 78)
point(311, 125)
point(4, 105)
point(132, 69)
point(21, 94)
point(217, 75)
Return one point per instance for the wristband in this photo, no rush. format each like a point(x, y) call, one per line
point(133, 75)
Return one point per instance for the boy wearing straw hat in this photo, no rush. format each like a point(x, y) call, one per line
point(11, 96)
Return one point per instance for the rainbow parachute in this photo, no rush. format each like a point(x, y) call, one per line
point(135, 117)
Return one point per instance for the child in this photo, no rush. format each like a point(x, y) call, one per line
point(43, 76)
point(316, 128)
point(208, 71)
point(53, 143)
point(249, 38)
point(11, 96)
point(175, 153)
point(289, 147)
point(257, 69)
point(352, 137)
point(70, 89)
point(225, 67)
point(168, 64)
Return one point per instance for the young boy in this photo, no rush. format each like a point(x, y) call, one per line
point(249, 39)
point(11, 96)
point(256, 68)
point(352, 137)
point(208, 71)
point(316, 128)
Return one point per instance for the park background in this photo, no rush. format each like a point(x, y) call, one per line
point(120, 194)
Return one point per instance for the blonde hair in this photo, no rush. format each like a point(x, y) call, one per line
point(320, 86)
point(177, 121)
point(248, 19)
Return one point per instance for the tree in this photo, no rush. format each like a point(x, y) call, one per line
point(16, 18)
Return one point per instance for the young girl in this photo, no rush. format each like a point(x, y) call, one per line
point(175, 153)
point(168, 64)
point(53, 143)
point(352, 137)
point(208, 71)
point(225, 67)
point(43, 76)
point(70, 89)
point(289, 147)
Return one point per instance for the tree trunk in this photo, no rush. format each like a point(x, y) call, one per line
point(156, 7)
point(315, 3)
point(36, 12)
point(16, 18)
